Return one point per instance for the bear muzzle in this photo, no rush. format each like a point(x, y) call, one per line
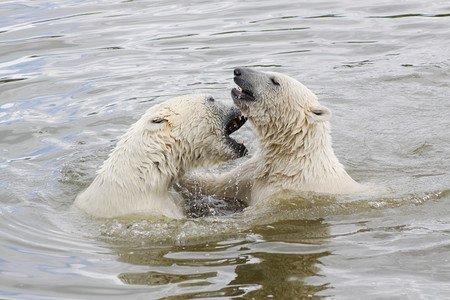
point(244, 91)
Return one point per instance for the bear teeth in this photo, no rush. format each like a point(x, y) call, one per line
point(239, 89)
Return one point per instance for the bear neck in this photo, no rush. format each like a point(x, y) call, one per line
point(299, 152)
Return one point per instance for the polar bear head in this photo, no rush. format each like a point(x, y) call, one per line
point(271, 99)
point(188, 131)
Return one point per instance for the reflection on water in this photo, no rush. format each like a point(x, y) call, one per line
point(280, 260)
point(281, 276)
point(74, 75)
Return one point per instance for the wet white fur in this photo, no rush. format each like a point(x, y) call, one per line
point(169, 139)
point(295, 148)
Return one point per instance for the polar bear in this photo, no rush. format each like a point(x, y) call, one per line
point(170, 139)
point(295, 154)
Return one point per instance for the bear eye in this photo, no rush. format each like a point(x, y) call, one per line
point(211, 99)
point(274, 81)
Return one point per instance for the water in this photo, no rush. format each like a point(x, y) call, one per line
point(75, 74)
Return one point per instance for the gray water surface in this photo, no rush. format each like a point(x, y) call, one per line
point(74, 75)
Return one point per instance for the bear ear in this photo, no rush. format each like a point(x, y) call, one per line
point(319, 113)
point(158, 119)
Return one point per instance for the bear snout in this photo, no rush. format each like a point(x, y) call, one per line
point(243, 78)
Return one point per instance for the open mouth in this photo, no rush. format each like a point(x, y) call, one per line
point(234, 122)
point(242, 94)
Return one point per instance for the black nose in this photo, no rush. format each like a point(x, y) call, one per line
point(237, 72)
